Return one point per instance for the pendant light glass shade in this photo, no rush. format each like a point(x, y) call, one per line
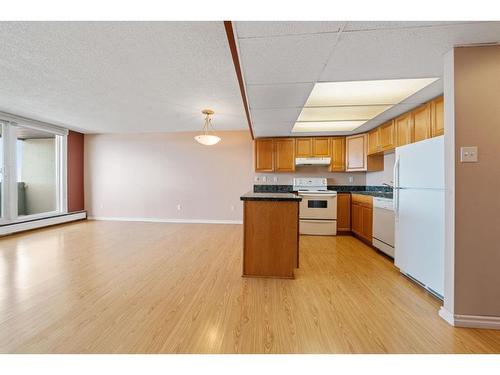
point(208, 138)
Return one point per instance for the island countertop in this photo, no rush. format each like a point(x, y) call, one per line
point(251, 196)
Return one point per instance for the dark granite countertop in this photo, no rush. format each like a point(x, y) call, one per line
point(251, 196)
point(374, 191)
point(378, 194)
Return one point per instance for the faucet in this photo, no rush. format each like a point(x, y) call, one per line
point(391, 184)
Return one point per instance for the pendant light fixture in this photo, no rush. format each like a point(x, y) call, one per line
point(208, 138)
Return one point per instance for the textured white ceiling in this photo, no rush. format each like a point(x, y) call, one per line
point(119, 76)
point(282, 61)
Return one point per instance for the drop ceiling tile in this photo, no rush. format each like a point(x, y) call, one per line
point(252, 29)
point(401, 53)
point(275, 115)
point(273, 130)
point(278, 96)
point(293, 59)
point(377, 25)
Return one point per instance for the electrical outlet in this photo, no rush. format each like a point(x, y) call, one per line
point(179, 207)
point(275, 179)
point(468, 154)
point(256, 178)
point(232, 207)
point(351, 179)
point(264, 179)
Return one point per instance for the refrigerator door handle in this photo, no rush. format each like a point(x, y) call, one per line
point(396, 187)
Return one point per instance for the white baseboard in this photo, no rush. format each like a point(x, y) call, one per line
point(40, 223)
point(159, 220)
point(470, 321)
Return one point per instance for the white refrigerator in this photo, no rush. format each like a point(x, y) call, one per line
point(419, 212)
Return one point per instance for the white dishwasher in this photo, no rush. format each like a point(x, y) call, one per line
point(383, 225)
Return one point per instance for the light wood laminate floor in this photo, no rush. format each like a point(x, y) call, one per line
point(116, 287)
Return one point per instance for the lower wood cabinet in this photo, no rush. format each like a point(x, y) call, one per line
point(343, 212)
point(362, 216)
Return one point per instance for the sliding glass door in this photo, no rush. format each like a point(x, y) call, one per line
point(33, 162)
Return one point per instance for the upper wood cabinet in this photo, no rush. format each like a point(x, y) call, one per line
point(303, 147)
point(284, 157)
point(264, 155)
point(356, 152)
point(421, 122)
point(374, 141)
point(337, 153)
point(357, 158)
point(404, 129)
point(321, 147)
point(387, 136)
point(437, 117)
point(312, 147)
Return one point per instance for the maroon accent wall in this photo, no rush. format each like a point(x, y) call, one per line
point(75, 172)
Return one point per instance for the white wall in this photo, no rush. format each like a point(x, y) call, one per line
point(385, 176)
point(148, 175)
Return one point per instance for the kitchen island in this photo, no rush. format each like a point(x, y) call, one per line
point(270, 234)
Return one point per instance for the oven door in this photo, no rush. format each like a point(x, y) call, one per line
point(318, 206)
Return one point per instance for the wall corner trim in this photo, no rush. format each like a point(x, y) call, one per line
point(470, 321)
point(160, 220)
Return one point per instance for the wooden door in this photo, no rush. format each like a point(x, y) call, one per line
point(264, 155)
point(373, 141)
point(437, 119)
point(303, 147)
point(404, 131)
point(421, 122)
point(356, 148)
point(337, 145)
point(321, 147)
point(343, 212)
point(284, 157)
point(387, 136)
point(367, 223)
point(357, 216)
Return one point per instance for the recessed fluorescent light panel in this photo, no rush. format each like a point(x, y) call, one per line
point(345, 106)
point(326, 126)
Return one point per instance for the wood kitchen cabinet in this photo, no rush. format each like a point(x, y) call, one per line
point(437, 117)
point(357, 158)
point(337, 147)
point(374, 141)
point(303, 147)
point(421, 118)
point(404, 129)
point(284, 154)
point(343, 212)
point(362, 216)
point(387, 136)
point(321, 147)
point(264, 155)
point(312, 147)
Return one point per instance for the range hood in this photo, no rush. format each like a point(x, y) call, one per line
point(312, 161)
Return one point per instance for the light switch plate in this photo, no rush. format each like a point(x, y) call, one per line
point(468, 154)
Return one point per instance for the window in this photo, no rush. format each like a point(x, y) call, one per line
point(33, 162)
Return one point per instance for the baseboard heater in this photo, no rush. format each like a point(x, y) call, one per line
point(11, 228)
